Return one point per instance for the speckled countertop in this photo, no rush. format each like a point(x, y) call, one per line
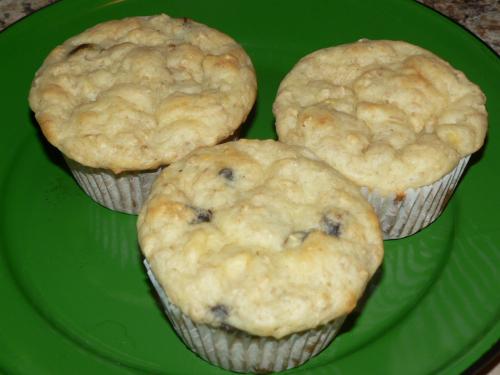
point(481, 17)
point(12, 10)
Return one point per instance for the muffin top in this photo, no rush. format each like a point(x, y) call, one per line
point(260, 236)
point(387, 114)
point(138, 93)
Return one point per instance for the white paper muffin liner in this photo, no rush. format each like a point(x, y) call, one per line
point(124, 192)
point(235, 350)
point(404, 214)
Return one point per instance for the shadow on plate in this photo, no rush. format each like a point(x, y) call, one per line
point(352, 318)
point(52, 153)
point(244, 128)
point(476, 157)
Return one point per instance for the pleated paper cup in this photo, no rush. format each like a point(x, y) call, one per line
point(124, 192)
point(403, 214)
point(235, 350)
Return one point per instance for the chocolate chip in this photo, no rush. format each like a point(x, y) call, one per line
point(227, 173)
point(202, 215)
point(330, 227)
point(220, 312)
point(82, 47)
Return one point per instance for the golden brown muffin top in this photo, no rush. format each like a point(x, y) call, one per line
point(138, 93)
point(387, 114)
point(260, 236)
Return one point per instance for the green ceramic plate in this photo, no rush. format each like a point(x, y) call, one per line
point(75, 298)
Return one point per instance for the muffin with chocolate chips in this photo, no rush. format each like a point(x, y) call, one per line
point(127, 97)
point(258, 251)
point(392, 117)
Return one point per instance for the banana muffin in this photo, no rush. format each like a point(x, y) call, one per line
point(258, 251)
point(392, 117)
point(126, 97)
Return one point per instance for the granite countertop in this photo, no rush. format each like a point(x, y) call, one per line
point(481, 17)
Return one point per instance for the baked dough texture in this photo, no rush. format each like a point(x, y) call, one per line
point(387, 114)
point(259, 236)
point(139, 93)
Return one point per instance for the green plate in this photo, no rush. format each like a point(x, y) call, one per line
point(75, 298)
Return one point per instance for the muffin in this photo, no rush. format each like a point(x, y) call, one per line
point(127, 97)
point(258, 251)
point(392, 117)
